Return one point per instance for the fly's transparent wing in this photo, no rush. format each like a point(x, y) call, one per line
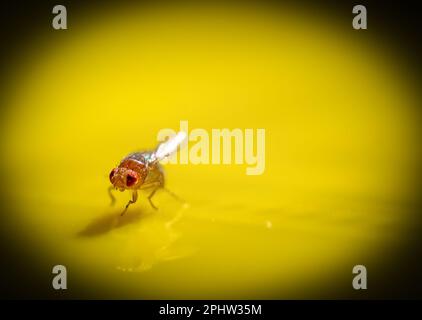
point(170, 146)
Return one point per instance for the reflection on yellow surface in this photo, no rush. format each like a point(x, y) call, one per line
point(339, 153)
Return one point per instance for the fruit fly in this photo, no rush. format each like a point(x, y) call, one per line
point(142, 170)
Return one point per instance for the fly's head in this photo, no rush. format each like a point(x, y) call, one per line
point(124, 178)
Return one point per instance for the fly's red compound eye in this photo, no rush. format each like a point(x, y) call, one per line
point(130, 180)
point(112, 173)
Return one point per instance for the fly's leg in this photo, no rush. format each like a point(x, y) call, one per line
point(131, 201)
point(175, 196)
point(150, 197)
point(156, 185)
point(110, 193)
point(159, 185)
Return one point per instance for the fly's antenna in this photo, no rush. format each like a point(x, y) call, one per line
point(170, 146)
